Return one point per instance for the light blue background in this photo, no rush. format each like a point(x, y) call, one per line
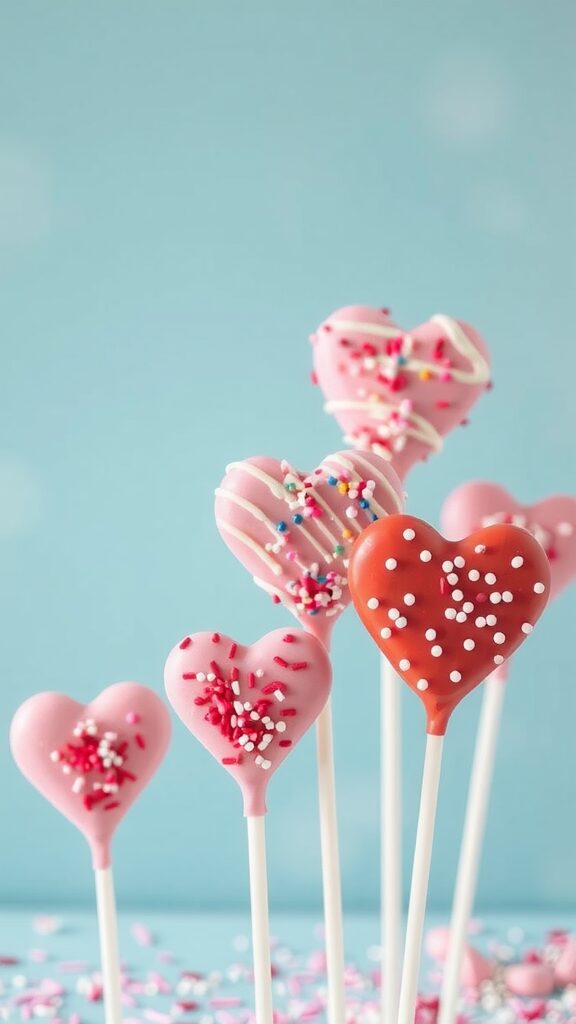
point(186, 190)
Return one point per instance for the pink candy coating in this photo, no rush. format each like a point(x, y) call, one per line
point(284, 678)
point(46, 724)
point(398, 392)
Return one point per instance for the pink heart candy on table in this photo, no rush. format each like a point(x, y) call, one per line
point(249, 704)
point(530, 979)
point(294, 531)
point(565, 965)
point(551, 521)
point(92, 760)
point(398, 392)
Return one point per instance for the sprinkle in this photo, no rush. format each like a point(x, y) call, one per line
point(457, 595)
point(393, 614)
point(280, 661)
point(404, 664)
point(401, 622)
point(447, 566)
point(455, 676)
point(409, 534)
point(185, 643)
point(469, 644)
point(498, 659)
point(495, 597)
point(452, 578)
point(468, 607)
point(373, 603)
point(480, 549)
point(459, 562)
point(430, 634)
point(390, 563)
point(450, 613)
point(132, 717)
point(232, 651)
point(491, 620)
point(527, 628)
point(409, 599)
point(285, 743)
point(436, 651)
point(297, 666)
point(297, 518)
point(499, 638)
point(474, 575)
point(425, 556)
point(517, 562)
point(461, 617)
point(422, 684)
point(490, 578)
point(539, 588)
point(480, 622)
point(229, 760)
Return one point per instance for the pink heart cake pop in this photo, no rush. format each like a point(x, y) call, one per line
point(398, 392)
point(249, 704)
point(293, 531)
point(551, 521)
point(91, 761)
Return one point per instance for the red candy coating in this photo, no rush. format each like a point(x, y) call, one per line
point(444, 613)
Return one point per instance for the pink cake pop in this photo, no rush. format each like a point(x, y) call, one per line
point(92, 761)
point(249, 704)
point(398, 392)
point(551, 521)
point(293, 531)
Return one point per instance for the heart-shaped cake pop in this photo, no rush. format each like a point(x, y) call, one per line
point(249, 704)
point(398, 392)
point(293, 531)
point(92, 760)
point(445, 613)
point(551, 521)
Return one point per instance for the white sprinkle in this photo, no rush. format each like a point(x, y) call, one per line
point(480, 549)
point(499, 638)
point(474, 575)
point(210, 677)
point(490, 578)
point(238, 707)
point(491, 620)
point(447, 566)
point(249, 747)
point(54, 756)
point(243, 741)
point(459, 562)
point(425, 556)
point(401, 622)
point(468, 607)
point(201, 677)
point(393, 614)
point(247, 706)
point(527, 628)
point(455, 676)
point(390, 563)
point(517, 561)
point(495, 597)
point(386, 633)
point(452, 578)
point(373, 603)
point(507, 597)
point(266, 765)
point(565, 529)
point(461, 617)
point(259, 673)
point(469, 645)
point(281, 727)
point(450, 613)
point(404, 664)
point(422, 684)
point(409, 534)
point(539, 588)
point(254, 716)
point(436, 651)
point(409, 599)
point(457, 595)
point(236, 687)
point(498, 659)
point(480, 622)
point(78, 784)
point(279, 696)
point(430, 634)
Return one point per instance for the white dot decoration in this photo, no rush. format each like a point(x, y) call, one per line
point(517, 562)
point(565, 529)
point(474, 575)
point(404, 664)
point(491, 620)
point(498, 659)
point(393, 614)
point(425, 556)
point(499, 638)
point(447, 566)
point(422, 684)
point(490, 578)
point(527, 628)
point(469, 644)
point(461, 617)
point(390, 563)
point(409, 599)
point(452, 578)
point(480, 622)
point(457, 595)
point(480, 549)
point(373, 603)
point(401, 622)
point(436, 651)
point(450, 613)
point(468, 607)
point(409, 533)
point(430, 634)
point(386, 633)
point(539, 588)
point(455, 676)
point(507, 597)
point(495, 597)
point(459, 562)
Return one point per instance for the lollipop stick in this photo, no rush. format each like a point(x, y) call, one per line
point(420, 876)
point(330, 867)
point(390, 838)
point(260, 926)
point(108, 928)
point(473, 835)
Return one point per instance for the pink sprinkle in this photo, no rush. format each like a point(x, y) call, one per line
point(132, 717)
point(142, 935)
point(225, 1002)
point(185, 643)
point(72, 967)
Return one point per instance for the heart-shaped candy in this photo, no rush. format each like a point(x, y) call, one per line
point(551, 521)
point(293, 531)
point(398, 392)
point(92, 760)
point(446, 613)
point(249, 704)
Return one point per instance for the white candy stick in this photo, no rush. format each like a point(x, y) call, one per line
point(330, 867)
point(420, 877)
point(472, 840)
point(390, 838)
point(108, 928)
point(260, 924)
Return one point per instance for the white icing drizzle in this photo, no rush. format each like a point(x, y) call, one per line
point(371, 471)
point(237, 499)
point(422, 430)
point(365, 327)
point(253, 545)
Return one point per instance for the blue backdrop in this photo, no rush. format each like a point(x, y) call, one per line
point(186, 190)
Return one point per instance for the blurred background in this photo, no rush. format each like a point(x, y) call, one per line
point(186, 190)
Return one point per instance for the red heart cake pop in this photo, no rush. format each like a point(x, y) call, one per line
point(446, 613)
point(91, 761)
point(249, 704)
point(398, 392)
point(293, 531)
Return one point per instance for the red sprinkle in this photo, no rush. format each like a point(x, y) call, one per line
point(280, 661)
point(285, 743)
point(251, 680)
point(289, 638)
point(298, 665)
point(112, 806)
point(232, 651)
point(229, 760)
point(140, 741)
point(188, 675)
point(271, 687)
point(185, 643)
point(288, 712)
point(215, 638)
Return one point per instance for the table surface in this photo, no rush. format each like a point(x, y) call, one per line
point(196, 967)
